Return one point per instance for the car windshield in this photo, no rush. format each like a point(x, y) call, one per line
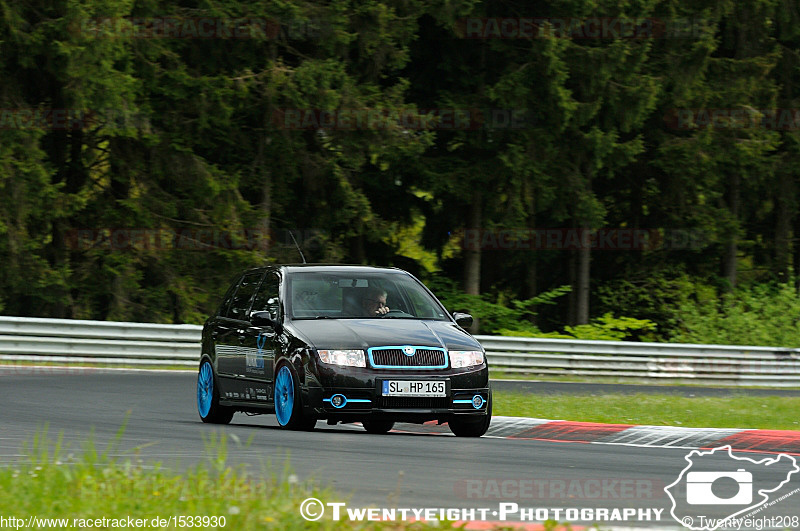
point(315, 295)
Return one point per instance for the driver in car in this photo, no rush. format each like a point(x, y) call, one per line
point(374, 302)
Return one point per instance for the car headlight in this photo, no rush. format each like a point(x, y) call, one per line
point(348, 358)
point(465, 358)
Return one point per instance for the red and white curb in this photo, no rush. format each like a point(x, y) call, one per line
point(743, 440)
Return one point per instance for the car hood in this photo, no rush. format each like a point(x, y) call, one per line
point(375, 332)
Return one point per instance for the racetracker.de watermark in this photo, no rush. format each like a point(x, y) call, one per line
point(27, 119)
point(175, 27)
point(570, 239)
point(313, 509)
point(105, 522)
point(194, 239)
point(578, 28)
point(401, 119)
point(737, 119)
point(509, 489)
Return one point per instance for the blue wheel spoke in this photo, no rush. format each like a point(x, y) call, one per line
point(284, 396)
point(205, 389)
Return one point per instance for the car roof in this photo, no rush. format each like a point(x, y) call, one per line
point(326, 268)
point(344, 268)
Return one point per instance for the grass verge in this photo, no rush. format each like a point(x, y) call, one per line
point(770, 412)
point(496, 374)
point(49, 484)
point(99, 491)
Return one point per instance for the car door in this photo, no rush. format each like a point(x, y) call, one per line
point(237, 323)
point(260, 343)
point(224, 336)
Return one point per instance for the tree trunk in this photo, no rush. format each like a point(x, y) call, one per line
point(732, 249)
point(531, 285)
point(783, 225)
point(357, 251)
point(584, 262)
point(531, 279)
point(472, 261)
point(263, 171)
point(66, 151)
point(572, 302)
point(531, 273)
point(584, 272)
point(119, 159)
point(472, 258)
point(796, 254)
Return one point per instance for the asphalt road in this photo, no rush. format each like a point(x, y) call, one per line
point(397, 469)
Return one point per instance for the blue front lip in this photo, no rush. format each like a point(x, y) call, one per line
point(346, 401)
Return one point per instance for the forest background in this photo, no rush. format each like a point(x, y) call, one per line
point(599, 169)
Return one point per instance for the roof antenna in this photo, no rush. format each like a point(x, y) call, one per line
point(298, 247)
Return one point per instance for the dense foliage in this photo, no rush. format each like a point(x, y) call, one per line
point(408, 133)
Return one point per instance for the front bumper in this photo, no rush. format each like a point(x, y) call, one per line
point(467, 395)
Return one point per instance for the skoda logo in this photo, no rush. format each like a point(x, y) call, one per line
point(409, 351)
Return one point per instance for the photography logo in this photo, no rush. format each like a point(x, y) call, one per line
point(699, 488)
point(717, 486)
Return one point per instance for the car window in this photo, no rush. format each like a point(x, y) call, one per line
point(244, 296)
point(226, 301)
point(313, 297)
point(341, 296)
point(420, 305)
point(267, 299)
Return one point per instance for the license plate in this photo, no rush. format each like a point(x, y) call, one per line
point(429, 388)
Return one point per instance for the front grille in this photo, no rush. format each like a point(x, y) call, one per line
point(395, 357)
point(400, 402)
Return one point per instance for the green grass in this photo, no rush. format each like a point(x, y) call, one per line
point(51, 483)
point(772, 412)
point(497, 374)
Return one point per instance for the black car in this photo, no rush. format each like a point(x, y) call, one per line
point(344, 344)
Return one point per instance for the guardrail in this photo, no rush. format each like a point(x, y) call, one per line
point(24, 339)
point(67, 341)
point(673, 362)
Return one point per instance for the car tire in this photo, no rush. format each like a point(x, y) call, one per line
point(473, 428)
point(208, 406)
point(288, 408)
point(378, 426)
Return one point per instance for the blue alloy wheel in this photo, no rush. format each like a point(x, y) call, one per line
point(205, 389)
point(208, 405)
point(284, 396)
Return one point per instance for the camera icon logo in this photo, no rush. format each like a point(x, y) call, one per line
point(699, 488)
point(720, 483)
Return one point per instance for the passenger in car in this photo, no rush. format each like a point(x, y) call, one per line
point(374, 302)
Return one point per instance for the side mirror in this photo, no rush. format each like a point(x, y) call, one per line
point(464, 320)
point(263, 319)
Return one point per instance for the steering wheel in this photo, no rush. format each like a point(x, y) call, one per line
point(395, 313)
